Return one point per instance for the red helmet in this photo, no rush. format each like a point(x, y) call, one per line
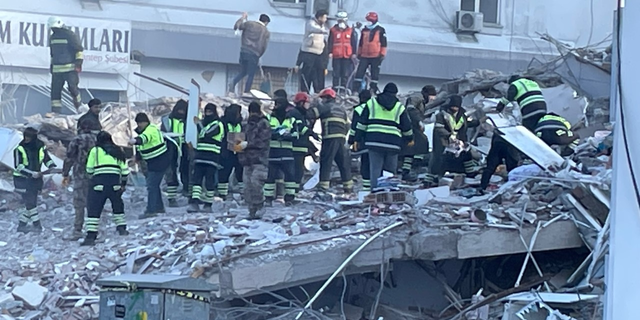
point(372, 17)
point(301, 97)
point(328, 92)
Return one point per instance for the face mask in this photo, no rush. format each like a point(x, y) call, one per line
point(342, 25)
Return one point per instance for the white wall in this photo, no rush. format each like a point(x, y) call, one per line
point(181, 73)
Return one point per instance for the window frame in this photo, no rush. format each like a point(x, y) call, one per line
point(283, 3)
point(476, 8)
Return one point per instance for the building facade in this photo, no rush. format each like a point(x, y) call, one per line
point(181, 40)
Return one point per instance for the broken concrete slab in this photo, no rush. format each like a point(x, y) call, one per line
point(31, 293)
point(532, 146)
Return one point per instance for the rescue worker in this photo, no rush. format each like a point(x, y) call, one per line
point(386, 128)
point(172, 126)
point(280, 153)
point(527, 94)
point(280, 190)
point(357, 146)
point(29, 156)
point(107, 166)
point(66, 63)
point(372, 50)
point(342, 48)
point(95, 106)
point(207, 160)
point(427, 94)
point(450, 127)
point(231, 120)
point(310, 56)
point(152, 148)
point(253, 154)
point(302, 131)
point(555, 130)
point(334, 132)
point(77, 153)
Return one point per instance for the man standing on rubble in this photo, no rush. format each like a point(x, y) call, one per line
point(231, 121)
point(302, 130)
point(386, 127)
point(427, 94)
point(255, 38)
point(281, 153)
point(310, 55)
point(357, 146)
point(66, 63)
point(342, 48)
point(372, 50)
point(334, 132)
point(77, 153)
point(528, 95)
point(253, 154)
point(555, 130)
point(95, 106)
point(29, 156)
point(172, 126)
point(420, 149)
point(152, 148)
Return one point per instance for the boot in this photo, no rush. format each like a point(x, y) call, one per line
point(207, 207)
point(74, 236)
point(37, 227)
point(122, 230)
point(147, 214)
point(193, 208)
point(409, 176)
point(22, 227)
point(173, 203)
point(253, 214)
point(90, 239)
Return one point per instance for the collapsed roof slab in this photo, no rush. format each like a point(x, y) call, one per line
point(286, 268)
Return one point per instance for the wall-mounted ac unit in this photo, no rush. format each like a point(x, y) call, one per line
point(314, 5)
point(469, 21)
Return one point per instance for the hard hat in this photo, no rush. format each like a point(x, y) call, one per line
point(342, 15)
point(328, 92)
point(372, 17)
point(55, 22)
point(301, 97)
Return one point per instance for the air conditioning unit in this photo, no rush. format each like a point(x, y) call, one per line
point(469, 21)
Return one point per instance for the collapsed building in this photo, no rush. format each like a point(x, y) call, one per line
point(532, 249)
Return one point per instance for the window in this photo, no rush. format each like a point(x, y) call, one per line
point(489, 8)
point(289, 1)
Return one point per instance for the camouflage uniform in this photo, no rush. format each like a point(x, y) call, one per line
point(254, 159)
point(77, 153)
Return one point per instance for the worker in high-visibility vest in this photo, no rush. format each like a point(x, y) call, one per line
point(232, 122)
point(173, 127)
point(357, 146)
point(281, 153)
point(555, 130)
point(528, 95)
point(66, 63)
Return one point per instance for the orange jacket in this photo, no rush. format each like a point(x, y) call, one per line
point(342, 43)
point(373, 42)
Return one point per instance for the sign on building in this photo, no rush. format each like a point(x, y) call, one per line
point(24, 42)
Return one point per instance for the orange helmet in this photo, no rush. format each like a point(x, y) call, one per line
point(328, 92)
point(372, 17)
point(301, 97)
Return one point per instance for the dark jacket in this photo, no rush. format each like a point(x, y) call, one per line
point(300, 126)
point(333, 118)
point(383, 142)
point(442, 129)
point(255, 36)
point(65, 49)
point(421, 142)
point(258, 135)
point(88, 116)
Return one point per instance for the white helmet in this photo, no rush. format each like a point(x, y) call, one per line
point(55, 22)
point(342, 15)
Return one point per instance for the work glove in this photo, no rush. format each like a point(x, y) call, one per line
point(36, 175)
point(66, 181)
point(453, 137)
point(238, 147)
point(411, 143)
point(132, 141)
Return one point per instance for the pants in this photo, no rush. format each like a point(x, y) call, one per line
point(500, 150)
point(154, 196)
point(254, 177)
point(208, 173)
point(248, 67)
point(229, 163)
point(311, 66)
point(407, 163)
point(364, 171)
point(96, 198)
point(298, 168)
point(340, 73)
point(333, 149)
point(286, 167)
point(362, 69)
point(28, 189)
point(57, 84)
point(171, 175)
point(379, 161)
point(80, 195)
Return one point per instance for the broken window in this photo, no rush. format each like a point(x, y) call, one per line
point(489, 8)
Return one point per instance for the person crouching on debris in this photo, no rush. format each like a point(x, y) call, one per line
point(555, 130)
point(207, 158)
point(151, 148)
point(29, 156)
point(107, 166)
point(253, 154)
point(357, 146)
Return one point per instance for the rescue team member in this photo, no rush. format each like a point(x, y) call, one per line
point(280, 153)
point(417, 106)
point(95, 106)
point(281, 93)
point(357, 146)
point(66, 63)
point(253, 154)
point(152, 148)
point(527, 94)
point(342, 49)
point(450, 127)
point(207, 160)
point(371, 51)
point(255, 39)
point(334, 132)
point(386, 128)
point(77, 153)
point(302, 130)
point(29, 156)
point(229, 158)
point(107, 166)
point(500, 151)
point(555, 130)
point(172, 126)
point(310, 55)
